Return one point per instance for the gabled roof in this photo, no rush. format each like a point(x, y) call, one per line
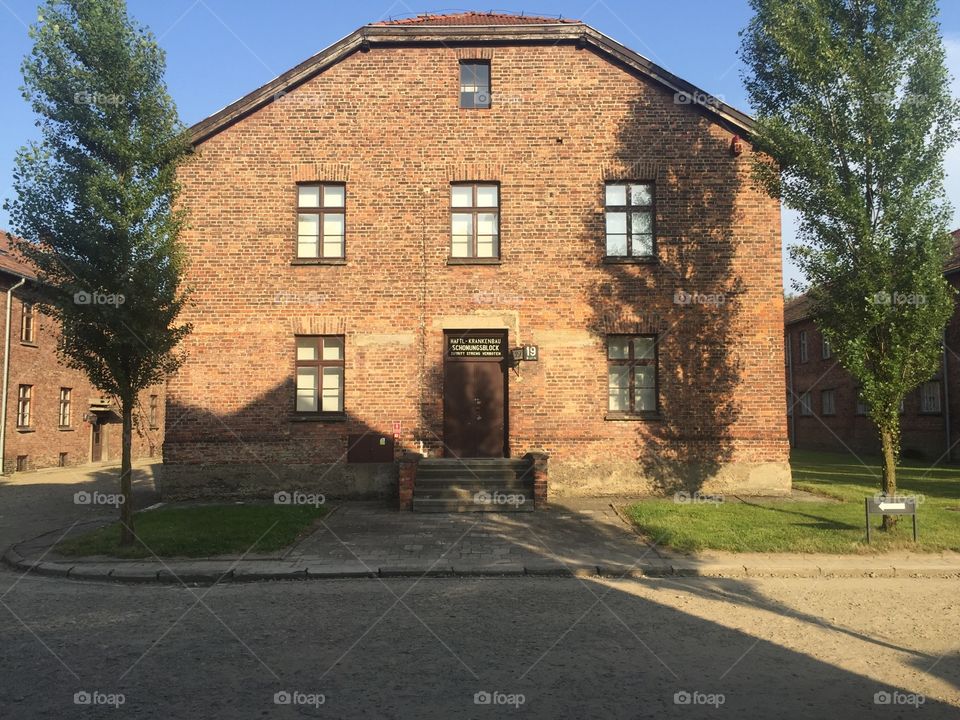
point(470, 28)
point(474, 18)
point(11, 261)
point(799, 307)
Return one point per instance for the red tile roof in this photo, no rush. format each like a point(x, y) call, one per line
point(475, 18)
point(13, 262)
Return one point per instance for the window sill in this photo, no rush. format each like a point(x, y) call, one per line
point(24, 343)
point(929, 413)
point(652, 416)
point(615, 260)
point(473, 261)
point(26, 429)
point(318, 418)
point(66, 428)
point(318, 261)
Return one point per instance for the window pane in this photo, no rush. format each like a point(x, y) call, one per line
point(333, 195)
point(333, 224)
point(616, 245)
point(616, 195)
point(616, 223)
point(481, 71)
point(486, 246)
point(468, 78)
point(308, 225)
point(618, 348)
point(646, 400)
point(619, 388)
point(332, 388)
point(643, 348)
point(308, 230)
point(487, 196)
point(642, 245)
point(309, 195)
point(460, 247)
point(641, 223)
point(306, 389)
point(332, 247)
point(641, 194)
point(306, 348)
point(332, 348)
point(466, 99)
point(461, 196)
point(644, 375)
point(487, 224)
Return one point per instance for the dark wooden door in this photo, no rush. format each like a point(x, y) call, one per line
point(96, 443)
point(474, 395)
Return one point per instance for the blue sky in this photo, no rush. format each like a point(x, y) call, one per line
point(218, 50)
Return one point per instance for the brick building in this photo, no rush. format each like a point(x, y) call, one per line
point(377, 231)
point(824, 411)
point(52, 416)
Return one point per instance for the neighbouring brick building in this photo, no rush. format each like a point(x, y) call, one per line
point(375, 232)
point(824, 410)
point(53, 415)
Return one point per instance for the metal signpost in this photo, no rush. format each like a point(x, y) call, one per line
point(882, 505)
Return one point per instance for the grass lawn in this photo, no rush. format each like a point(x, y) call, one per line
point(201, 531)
point(824, 527)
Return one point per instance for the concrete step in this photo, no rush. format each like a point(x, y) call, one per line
point(475, 463)
point(496, 494)
point(443, 505)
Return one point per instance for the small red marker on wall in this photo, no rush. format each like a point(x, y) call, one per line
point(736, 146)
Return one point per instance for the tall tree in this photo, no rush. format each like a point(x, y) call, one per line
point(853, 106)
point(95, 201)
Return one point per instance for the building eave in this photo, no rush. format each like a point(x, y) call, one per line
point(392, 35)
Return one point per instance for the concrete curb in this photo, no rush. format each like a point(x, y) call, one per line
point(210, 572)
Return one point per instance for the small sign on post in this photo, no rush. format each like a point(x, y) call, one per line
point(883, 505)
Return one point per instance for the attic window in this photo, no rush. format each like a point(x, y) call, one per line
point(474, 84)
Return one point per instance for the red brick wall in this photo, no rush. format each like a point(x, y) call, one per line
point(923, 435)
point(387, 122)
point(37, 364)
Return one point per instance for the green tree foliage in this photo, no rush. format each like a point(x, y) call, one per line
point(854, 109)
point(95, 201)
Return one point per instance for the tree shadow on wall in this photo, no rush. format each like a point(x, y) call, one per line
point(692, 297)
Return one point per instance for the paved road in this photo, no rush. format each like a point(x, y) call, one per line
point(402, 648)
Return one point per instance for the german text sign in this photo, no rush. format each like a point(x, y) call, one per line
point(475, 346)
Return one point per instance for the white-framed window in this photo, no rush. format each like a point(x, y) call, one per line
point(475, 220)
point(629, 216)
point(24, 400)
point(930, 397)
point(826, 352)
point(804, 355)
point(65, 403)
point(321, 221)
point(828, 402)
point(806, 405)
point(320, 364)
point(632, 373)
point(862, 407)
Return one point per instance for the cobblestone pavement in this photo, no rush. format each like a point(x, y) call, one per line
point(578, 534)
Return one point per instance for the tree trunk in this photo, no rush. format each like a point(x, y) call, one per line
point(889, 481)
point(127, 536)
